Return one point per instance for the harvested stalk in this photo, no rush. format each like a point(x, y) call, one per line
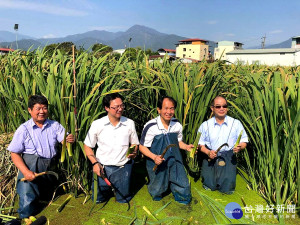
point(149, 213)
point(239, 139)
point(62, 206)
point(130, 150)
point(193, 151)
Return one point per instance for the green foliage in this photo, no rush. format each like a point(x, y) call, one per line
point(265, 99)
point(100, 50)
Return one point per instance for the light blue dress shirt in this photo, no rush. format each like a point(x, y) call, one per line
point(30, 139)
point(213, 135)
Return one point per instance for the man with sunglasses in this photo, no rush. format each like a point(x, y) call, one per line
point(219, 168)
point(112, 134)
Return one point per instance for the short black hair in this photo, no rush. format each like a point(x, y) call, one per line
point(161, 99)
point(108, 98)
point(37, 99)
point(213, 101)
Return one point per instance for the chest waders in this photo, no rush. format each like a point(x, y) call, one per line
point(41, 188)
point(170, 173)
point(120, 177)
point(220, 173)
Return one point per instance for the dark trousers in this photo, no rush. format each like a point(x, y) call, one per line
point(120, 179)
point(40, 188)
point(170, 172)
point(222, 178)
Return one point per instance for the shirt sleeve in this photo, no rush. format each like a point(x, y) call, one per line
point(60, 132)
point(134, 140)
point(17, 143)
point(203, 130)
point(91, 137)
point(244, 137)
point(180, 133)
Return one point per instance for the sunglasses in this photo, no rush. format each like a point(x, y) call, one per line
point(118, 107)
point(221, 106)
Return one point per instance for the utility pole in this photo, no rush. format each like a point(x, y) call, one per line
point(16, 27)
point(263, 42)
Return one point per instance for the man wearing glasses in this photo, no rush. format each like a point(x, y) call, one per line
point(113, 134)
point(219, 168)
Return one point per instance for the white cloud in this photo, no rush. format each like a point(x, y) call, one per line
point(230, 34)
point(38, 7)
point(49, 36)
point(276, 31)
point(211, 22)
point(107, 28)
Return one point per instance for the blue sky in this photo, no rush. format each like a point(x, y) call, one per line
point(245, 21)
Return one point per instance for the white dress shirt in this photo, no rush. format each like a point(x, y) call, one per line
point(113, 141)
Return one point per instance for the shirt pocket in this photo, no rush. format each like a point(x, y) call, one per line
point(124, 139)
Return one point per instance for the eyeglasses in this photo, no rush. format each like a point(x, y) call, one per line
point(39, 108)
point(118, 107)
point(221, 106)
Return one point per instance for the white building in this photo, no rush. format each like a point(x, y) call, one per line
point(119, 51)
point(170, 52)
point(224, 47)
point(271, 57)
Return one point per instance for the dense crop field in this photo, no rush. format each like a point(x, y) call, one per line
point(265, 99)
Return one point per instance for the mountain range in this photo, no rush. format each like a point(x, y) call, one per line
point(140, 36)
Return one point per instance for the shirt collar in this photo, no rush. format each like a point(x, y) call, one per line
point(161, 126)
point(225, 121)
point(121, 122)
point(32, 123)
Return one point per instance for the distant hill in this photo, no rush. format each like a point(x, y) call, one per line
point(284, 44)
point(141, 36)
point(6, 36)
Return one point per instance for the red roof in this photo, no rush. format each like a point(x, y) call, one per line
point(169, 50)
point(6, 49)
point(193, 39)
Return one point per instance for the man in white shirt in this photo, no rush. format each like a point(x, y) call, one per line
point(113, 135)
point(158, 133)
point(219, 169)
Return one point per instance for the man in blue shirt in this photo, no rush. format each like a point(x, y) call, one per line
point(219, 168)
point(33, 149)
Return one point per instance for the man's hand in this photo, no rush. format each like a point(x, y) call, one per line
point(132, 155)
point(189, 147)
point(29, 175)
point(157, 160)
point(98, 169)
point(70, 138)
point(212, 154)
point(237, 149)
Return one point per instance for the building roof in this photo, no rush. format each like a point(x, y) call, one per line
point(6, 49)
point(167, 50)
point(192, 39)
point(263, 51)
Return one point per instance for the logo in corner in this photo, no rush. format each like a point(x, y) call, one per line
point(233, 211)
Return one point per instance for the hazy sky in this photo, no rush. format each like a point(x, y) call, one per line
point(245, 21)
